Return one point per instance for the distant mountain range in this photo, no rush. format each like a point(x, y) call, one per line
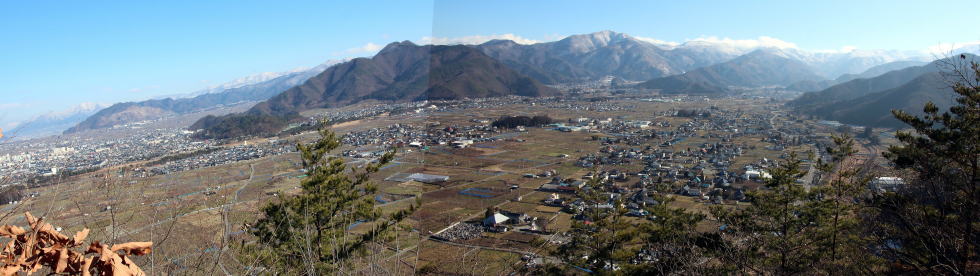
point(53, 123)
point(875, 109)
point(607, 53)
point(401, 72)
point(763, 67)
point(600, 54)
point(249, 89)
point(869, 101)
point(811, 85)
point(879, 70)
point(693, 67)
point(860, 87)
point(831, 65)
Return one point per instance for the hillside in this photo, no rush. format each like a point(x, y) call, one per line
point(880, 70)
point(128, 112)
point(764, 67)
point(53, 123)
point(868, 101)
point(859, 87)
point(875, 109)
point(810, 85)
point(401, 72)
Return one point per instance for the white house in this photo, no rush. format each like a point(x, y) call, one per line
point(754, 174)
point(886, 184)
point(462, 143)
point(495, 220)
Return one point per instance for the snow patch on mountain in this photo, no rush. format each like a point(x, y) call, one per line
point(300, 74)
point(54, 122)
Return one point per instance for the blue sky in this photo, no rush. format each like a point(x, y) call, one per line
point(56, 55)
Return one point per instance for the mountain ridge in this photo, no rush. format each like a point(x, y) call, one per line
point(596, 55)
point(576, 58)
point(869, 101)
point(400, 72)
point(874, 109)
point(240, 92)
point(763, 67)
point(56, 122)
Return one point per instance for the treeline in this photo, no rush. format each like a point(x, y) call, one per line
point(312, 126)
point(11, 193)
point(237, 125)
point(180, 156)
point(46, 180)
point(515, 121)
point(693, 113)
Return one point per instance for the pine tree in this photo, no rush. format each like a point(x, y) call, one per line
point(930, 226)
point(599, 241)
point(310, 233)
point(777, 233)
point(841, 240)
point(669, 243)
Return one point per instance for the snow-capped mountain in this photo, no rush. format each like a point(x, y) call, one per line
point(733, 46)
point(55, 122)
point(583, 57)
point(597, 55)
point(298, 75)
point(608, 53)
point(247, 89)
point(832, 64)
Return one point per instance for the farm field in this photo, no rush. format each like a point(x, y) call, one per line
point(209, 209)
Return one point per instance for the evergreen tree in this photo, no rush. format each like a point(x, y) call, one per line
point(930, 226)
point(669, 243)
point(606, 242)
point(870, 135)
point(778, 232)
point(310, 233)
point(841, 240)
point(601, 241)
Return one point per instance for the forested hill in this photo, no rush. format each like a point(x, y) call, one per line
point(401, 72)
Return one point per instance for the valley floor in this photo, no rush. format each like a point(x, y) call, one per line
point(707, 157)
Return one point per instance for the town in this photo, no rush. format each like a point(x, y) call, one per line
point(489, 138)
